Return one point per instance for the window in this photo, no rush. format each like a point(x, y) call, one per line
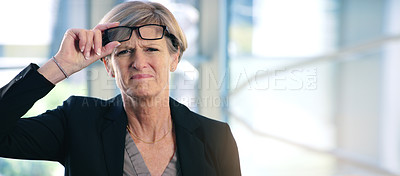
point(306, 86)
point(27, 38)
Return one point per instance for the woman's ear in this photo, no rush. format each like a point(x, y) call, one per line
point(108, 67)
point(174, 61)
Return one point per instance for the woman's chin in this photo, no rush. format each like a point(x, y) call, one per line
point(144, 91)
point(139, 93)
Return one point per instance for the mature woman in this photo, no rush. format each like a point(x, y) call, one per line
point(140, 132)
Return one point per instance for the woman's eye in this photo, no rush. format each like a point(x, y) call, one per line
point(152, 49)
point(123, 52)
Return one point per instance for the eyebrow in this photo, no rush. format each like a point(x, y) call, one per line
point(141, 43)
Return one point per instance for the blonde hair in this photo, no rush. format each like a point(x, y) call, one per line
point(134, 13)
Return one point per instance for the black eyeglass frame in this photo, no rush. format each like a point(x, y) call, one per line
point(106, 40)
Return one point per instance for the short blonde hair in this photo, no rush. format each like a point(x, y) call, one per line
point(134, 13)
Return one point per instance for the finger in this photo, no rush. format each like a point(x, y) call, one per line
point(97, 41)
point(103, 27)
point(82, 40)
point(89, 43)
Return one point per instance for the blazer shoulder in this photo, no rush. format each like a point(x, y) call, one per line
point(209, 122)
point(204, 126)
point(78, 106)
point(89, 102)
point(192, 120)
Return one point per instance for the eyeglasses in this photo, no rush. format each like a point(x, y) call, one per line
point(124, 33)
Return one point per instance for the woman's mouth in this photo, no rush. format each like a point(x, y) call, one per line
point(141, 76)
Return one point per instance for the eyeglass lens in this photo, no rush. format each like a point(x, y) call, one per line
point(151, 32)
point(147, 32)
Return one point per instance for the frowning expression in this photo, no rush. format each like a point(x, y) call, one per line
point(141, 67)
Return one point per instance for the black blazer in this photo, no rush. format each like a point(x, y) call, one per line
point(87, 135)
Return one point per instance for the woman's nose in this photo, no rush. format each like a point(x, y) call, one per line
point(139, 60)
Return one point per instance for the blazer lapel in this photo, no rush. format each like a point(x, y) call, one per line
point(190, 153)
point(113, 136)
point(190, 148)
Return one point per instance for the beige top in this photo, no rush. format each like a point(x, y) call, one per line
point(134, 164)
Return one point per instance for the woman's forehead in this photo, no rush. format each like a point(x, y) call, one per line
point(138, 41)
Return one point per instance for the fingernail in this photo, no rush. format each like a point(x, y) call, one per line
point(87, 55)
point(118, 44)
point(98, 52)
point(83, 48)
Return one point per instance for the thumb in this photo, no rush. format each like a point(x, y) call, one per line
point(108, 49)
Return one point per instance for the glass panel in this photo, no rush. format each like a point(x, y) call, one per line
point(27, 39)
point(313, 86)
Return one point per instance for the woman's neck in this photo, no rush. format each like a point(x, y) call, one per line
point(148, 118)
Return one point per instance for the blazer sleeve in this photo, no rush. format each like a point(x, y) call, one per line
point(29, 138)
point(229, 161)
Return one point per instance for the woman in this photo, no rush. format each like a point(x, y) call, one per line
point(140, 132)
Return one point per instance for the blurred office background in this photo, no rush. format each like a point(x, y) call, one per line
point(309, 88)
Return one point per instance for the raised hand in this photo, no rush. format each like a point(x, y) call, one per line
point(79, 49)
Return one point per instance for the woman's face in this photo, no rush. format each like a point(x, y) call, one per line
point(141, 67)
